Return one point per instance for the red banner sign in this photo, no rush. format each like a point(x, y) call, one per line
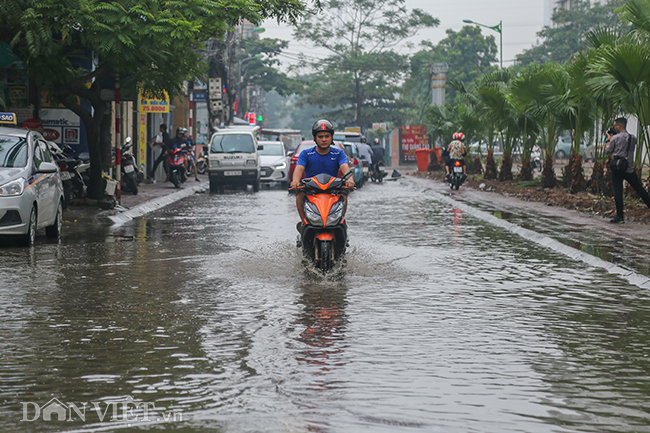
point(412, 138)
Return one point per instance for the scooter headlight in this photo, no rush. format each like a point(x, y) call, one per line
point(336, 213)
point(13, 188)
point(312, 214)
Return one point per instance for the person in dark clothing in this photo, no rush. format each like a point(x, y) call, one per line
point(377, 154)
point(621, 145)
point(161, 140)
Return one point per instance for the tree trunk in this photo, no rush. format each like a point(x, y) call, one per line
point(526, 170)
point(506, 167)
point(548, 173)
point(490, 166)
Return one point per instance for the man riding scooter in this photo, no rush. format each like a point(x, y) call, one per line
point(321, 158)
point(457, 152)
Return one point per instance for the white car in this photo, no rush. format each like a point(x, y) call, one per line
point(31, 191)
point(233, 159)
point(275, 162)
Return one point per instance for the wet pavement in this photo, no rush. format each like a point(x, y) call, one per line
point(201, 317)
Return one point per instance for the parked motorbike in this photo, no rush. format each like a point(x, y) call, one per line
point(378, 172)
point(176, 160)
point(456, 176)
point(130, 173)
point(202, 162)
point(324, 235)
point(69, 163)
point(536, 158)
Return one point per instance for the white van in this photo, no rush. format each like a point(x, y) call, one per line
point(233, 159)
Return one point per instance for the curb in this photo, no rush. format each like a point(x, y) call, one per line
point(155, 204)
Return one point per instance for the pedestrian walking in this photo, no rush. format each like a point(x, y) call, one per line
point(162, 140)
point(621, 147)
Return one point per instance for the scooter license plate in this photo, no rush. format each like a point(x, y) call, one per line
point(65, 175)
point(129, 169)
point(458, 169)
point(232, 173)
point(365, 169)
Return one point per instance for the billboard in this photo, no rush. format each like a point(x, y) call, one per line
point(412, 138)
point(61, 126)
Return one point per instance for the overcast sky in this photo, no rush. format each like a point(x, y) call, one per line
point(522, 19)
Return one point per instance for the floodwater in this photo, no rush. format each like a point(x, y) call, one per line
point(201, 317)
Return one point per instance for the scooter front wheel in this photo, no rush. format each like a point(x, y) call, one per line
point(325, 256)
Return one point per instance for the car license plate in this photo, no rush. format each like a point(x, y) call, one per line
point(232, 173)
point(458, 169)
point(129, 169)
point(65, 175)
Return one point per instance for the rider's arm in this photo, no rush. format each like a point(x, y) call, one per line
point(297, 176)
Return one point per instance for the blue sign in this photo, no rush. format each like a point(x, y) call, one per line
point(199, 97)
point(7, 118)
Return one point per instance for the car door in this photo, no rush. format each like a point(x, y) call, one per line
point(51, 183)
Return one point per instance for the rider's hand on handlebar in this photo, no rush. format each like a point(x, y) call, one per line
point(349, 184)
point(295, 184)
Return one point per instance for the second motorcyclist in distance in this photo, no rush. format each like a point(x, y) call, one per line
point(322, 158)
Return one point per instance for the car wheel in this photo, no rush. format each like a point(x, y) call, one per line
point(29, 238)
point(256, 185)
point(560, 154)
point(54, 231)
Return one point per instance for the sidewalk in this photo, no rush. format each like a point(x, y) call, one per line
point(625, 245)
point(150, 197)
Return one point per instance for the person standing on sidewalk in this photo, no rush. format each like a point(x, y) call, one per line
point(621, 147)
point(162, 140)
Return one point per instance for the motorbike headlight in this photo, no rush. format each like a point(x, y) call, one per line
point(312, 214)
point(336, 213)
point(251, 162)
point(13, 188)
point(281, 166)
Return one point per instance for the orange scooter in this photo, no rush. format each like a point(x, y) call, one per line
point(324, 236)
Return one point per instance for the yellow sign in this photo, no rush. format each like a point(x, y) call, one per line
point(142, 139)
point(353, 129)
point(153, 105)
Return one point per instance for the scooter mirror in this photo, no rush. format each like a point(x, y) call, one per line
point(128, 140)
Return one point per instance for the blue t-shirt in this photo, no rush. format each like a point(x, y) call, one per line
point(315, 163)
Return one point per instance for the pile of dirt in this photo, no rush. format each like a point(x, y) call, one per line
point(635, 209)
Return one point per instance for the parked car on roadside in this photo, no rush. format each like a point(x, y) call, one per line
point(31, 191)
point(563, 148)
point(274, 162)
point(308, 145)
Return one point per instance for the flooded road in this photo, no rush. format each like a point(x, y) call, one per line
point(201, 317)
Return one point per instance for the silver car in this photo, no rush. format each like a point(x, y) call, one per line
point(275, 162)
point(31, 192)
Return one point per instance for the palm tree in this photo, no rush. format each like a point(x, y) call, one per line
point(575, 103)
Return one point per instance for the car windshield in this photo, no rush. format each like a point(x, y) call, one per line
point(13, 151)
point(232, 143)
point(273, 149)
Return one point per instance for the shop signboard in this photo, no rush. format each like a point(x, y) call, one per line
point(150, 104)
point(61, 126)
point(412, 138)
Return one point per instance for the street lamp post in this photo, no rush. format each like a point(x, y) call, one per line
point(498, 28)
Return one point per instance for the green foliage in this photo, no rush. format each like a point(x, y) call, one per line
point(468, 55)
point(567, 34)
point(359, 75)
